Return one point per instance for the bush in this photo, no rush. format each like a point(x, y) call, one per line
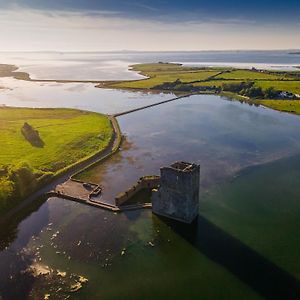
point(237, 87)
point(6, 191)
point(254, 92)
point(248, 89)
point(24, 178)
point(19, 181)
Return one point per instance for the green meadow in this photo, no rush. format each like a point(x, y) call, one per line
point(282, 105)
point(289, 86)
point(249, 75)
point(161, 73)
point(67, 136)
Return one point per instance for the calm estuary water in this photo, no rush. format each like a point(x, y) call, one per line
point(73, 95)
point(244, 245)
point(114, 65)
point(138, 255)
point(223, 136)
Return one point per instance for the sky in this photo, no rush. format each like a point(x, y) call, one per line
point(149, 25)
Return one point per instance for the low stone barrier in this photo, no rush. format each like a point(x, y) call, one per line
point(146, 182)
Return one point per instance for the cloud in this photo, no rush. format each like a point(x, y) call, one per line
point(33, 29)
point(144, 6)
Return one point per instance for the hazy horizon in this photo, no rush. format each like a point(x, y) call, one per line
point(145, 51)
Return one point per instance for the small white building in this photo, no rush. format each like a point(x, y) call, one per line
point(286, 95)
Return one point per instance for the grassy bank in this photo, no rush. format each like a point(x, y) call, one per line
point(177, 78)
point(282, 105)
point(66, 136)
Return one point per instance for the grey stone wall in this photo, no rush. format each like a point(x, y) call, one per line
point(148, 182)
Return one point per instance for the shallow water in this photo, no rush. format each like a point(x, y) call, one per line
point(222, 136)
point(114, 65)
point(73, 95)
point(244, 245)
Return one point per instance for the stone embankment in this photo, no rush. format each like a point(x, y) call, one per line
point(146, 182)
point(83, 192)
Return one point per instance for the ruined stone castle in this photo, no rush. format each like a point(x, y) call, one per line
point(177, 196)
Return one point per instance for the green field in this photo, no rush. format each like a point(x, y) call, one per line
point(289, 86)
point(185, 77)
point(160, 73)
point(249, 75)
point(67, 136)
point(282, 105)
point(217, 83)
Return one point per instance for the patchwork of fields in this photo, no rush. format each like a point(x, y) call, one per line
point(178, 78)
point(160, 73)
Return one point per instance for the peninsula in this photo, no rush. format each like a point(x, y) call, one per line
point(279, 90)
point(39, 145)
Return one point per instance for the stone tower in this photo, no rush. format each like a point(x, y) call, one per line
point(178, 194)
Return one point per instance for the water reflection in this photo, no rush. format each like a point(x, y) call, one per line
point(73, 95)
point(223, 136)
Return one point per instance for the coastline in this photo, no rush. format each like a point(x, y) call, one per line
point(74, 170)
point(7, 70)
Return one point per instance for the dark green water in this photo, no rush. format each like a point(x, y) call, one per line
point(244, 245)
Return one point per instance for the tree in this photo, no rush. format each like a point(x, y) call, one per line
point(271, 93)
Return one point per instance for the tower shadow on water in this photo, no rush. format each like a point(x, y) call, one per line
point(252, 268)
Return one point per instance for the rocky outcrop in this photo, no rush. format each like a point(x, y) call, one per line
point(32, 135)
